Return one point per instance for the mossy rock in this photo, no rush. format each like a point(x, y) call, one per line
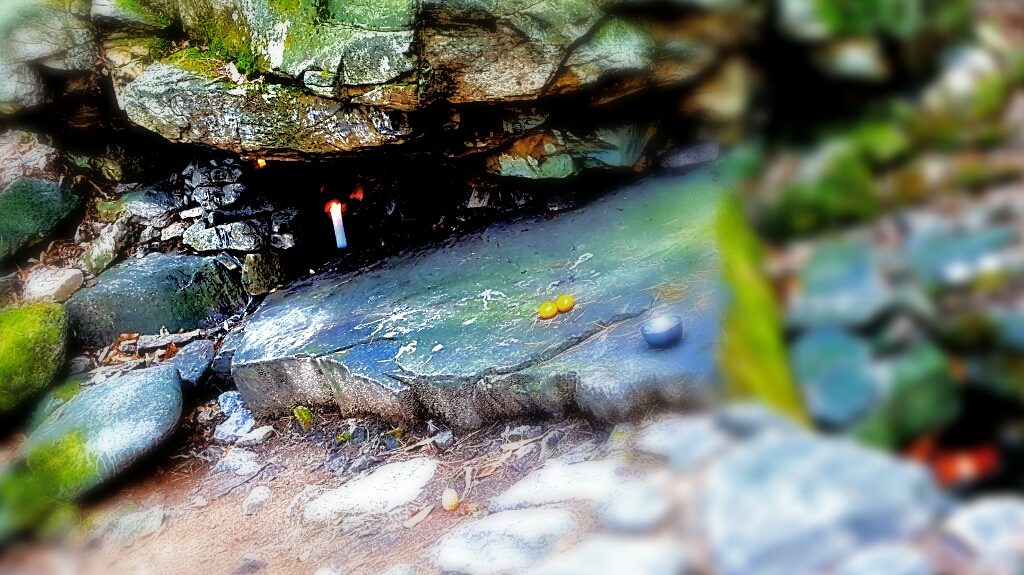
point(32, 346)
point(159, 291)
point(94, 436)
point(29, 211)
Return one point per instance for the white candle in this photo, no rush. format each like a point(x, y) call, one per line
point(334, 208)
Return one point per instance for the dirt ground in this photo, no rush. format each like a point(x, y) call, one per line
point(205, 531)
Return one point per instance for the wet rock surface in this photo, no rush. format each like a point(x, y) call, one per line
point(467, 347)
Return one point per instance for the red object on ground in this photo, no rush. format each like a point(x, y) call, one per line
point(964, 466)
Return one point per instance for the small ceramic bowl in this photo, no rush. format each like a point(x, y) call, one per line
point(663, 331)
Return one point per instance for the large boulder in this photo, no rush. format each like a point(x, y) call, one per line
point(452, 331)
point(30, 210)
point(90, 439)
point(171, 292)
point(185, 105)
point(32, 346)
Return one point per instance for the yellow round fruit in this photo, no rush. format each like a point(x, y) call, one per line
point(547, 310)
point(565, 303)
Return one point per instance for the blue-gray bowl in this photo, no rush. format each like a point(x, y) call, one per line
point(663, 331)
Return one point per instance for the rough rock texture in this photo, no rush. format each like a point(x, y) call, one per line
point(29, 210)
point(466, 346)
point(52, 284)
point(186, 106)
point(32, 346)
point(156, 292)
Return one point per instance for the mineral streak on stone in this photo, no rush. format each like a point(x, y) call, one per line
point(186, 106)
point(451, 332)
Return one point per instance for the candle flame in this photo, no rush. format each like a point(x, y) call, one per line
point(357, 194)
point(261, 163)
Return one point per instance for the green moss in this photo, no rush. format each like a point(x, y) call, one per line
point(32, 346)
point(109, 211)
point(752, 357)
point(922, 399)
point(30, 209)
point(304, 416)
point(145, 12)
point(976, 173)
point(42, 484)
point(206, 63)
point(840, 192)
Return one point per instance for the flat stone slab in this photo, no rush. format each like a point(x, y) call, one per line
point(452, 332)
point(378, 493)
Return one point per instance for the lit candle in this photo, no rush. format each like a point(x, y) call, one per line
point(335, 208)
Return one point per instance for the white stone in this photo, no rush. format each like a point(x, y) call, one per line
point(52, 284)
point(633, 507)
point(887, 560)
point(256, 436)
point(506, 542)
point(993, 528)
point(388, 487)
point(257, 498)
point(240, 462)
point(611, 555)
point(558, 482)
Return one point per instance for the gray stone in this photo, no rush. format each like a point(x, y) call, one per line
point(840, 285)
point(363, 462)
point(193, 361)
point(506, 542)
point(137, 526)
point(109, 426)
point(112, 242)
point(154, 205)
point(246, 236)
point(257, 498)
point(250, 563)
point(807, 502)
point(991, 528)
point(378, 493)
point(444, 440)
point(834, 369)
point(369, 341)
point(256, 436)
point(239, 420)
point(52, 284)
point(611, 555)
point(156, 292)
point(558, 482)
point(29, 211)
point(888, 560)
point(686, 441)
point(238, 462)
